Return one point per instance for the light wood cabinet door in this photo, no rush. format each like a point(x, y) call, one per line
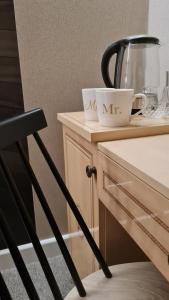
point(82, 190)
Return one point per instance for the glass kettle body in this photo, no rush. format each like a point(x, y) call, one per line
point(136, 66)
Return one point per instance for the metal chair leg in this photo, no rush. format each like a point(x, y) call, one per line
point(20, 265)
point(52, 223)
point(28, 224)
point(73, 206)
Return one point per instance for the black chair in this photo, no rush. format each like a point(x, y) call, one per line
point(12, 131)
point(130, 281)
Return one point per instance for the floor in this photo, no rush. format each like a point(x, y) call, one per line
point(60, 271)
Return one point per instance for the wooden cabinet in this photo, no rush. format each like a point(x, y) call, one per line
point(79, 155)
point(80, 150)
point(131, 187)
point(115, 244)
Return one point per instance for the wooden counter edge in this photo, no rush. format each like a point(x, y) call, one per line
point(154, 184)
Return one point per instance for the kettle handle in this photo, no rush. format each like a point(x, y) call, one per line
point(115, 48)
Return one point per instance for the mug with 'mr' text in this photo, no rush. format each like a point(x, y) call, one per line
point(114, 106)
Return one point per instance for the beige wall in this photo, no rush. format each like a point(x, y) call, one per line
point(60, 45)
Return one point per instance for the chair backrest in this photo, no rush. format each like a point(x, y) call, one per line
point(12, 131)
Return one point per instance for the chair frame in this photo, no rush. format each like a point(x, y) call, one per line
point(12, 131)
point(25, 277)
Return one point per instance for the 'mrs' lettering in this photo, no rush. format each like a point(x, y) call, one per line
point(91, 105)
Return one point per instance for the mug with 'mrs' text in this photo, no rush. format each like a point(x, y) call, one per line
point(89, 103)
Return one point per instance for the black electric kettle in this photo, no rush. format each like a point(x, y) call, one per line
point(136, 66)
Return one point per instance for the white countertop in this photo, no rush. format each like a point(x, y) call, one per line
point(145, 157)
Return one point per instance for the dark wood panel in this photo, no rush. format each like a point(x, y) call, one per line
point(11, 103)
point(9, 111)
point(11, 94)
point(22, 180)
point(9, 70)
point(7, 19)
point(11, 213)
point(115, 243)
point(8, 44)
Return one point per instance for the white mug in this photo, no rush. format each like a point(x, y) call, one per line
point(114, 106)
point(89, 103)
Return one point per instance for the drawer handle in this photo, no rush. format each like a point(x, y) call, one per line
point(90, 171)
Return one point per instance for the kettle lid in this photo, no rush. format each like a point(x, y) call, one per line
point(138, 39)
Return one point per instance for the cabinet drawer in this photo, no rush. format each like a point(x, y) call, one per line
point(141, 210)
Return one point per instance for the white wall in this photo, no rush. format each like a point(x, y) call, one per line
point(158, 25)
point(60, 46)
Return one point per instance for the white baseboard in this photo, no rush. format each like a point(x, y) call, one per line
point(50, 247)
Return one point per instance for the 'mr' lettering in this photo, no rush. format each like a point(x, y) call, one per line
point(111, 109)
